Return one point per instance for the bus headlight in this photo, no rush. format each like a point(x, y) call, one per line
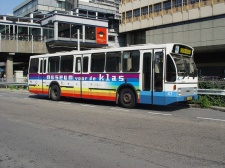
point(179, 91)
point(195, 90)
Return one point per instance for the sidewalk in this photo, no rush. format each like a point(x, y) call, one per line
point(211, 107)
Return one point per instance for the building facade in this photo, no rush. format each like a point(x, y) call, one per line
point(88, 24)
point(198, 23)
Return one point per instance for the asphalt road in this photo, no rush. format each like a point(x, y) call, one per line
point(39, 133)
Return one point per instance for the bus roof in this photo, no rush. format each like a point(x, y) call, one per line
point(114, 49)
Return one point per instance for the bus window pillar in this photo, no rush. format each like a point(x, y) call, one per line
point(9, 67)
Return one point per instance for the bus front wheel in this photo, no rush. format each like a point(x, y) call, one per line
point(55, 93)
point(127, 98)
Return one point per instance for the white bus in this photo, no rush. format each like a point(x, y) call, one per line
point(150, 74)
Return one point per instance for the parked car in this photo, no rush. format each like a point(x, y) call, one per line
point(2, 72)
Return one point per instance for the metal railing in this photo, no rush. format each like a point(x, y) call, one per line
point(13, 82)
point(23, 82)
point(217, 92)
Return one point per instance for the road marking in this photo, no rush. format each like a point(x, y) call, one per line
point(87, 105)
point(213, 119)
point(64, 103)
point(119, 109)
point(44, 100)
point(160, 114)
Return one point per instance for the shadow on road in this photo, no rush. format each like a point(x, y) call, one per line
point(168, 108)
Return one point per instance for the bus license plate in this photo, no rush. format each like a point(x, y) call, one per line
point(189, 98)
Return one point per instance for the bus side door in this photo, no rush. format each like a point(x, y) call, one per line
point(42, 76)
point(78, 77)
point(158, 76)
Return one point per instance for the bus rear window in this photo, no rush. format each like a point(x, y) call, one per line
point(34, 63)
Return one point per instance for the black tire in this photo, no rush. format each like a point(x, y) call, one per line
point(55, 93)
point(127, 98)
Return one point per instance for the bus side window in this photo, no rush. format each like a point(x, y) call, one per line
point(78, 64)
point(66, 64)
point(131, 61)
point(97, 62)
point(170, 70)
point(85, 64)
point(113, 62)
point(53, 64)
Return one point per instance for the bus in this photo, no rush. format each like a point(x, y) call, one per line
point(156, 74)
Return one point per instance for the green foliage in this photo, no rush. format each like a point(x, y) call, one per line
point(211, 85)
point(13, 87)
point(203, 101)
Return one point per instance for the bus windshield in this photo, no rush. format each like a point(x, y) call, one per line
point(185, 66)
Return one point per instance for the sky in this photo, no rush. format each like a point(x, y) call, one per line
point(6, 6)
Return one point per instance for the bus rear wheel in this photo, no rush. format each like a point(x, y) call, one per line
point(127, 98)
point(55, 93)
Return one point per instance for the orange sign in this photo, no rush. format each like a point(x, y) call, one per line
point(101, 35)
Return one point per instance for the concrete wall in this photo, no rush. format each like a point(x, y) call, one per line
point(205, 33)
point(22, 46)
point(175, 15)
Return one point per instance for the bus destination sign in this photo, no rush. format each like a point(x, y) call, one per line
point(181, 49)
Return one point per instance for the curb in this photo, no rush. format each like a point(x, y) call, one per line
point(218, 108)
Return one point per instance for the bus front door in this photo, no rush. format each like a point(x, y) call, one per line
point(157, 77)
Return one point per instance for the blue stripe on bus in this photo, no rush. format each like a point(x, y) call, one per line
point(163, 98)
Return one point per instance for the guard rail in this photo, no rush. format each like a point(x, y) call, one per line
point(14, 82)
point(217, 92)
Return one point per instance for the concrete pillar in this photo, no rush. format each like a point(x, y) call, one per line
point(56, 29)
point(77, 12)
point(31, 16)
point(9, 68)
point(83, 33)
point(96, 15)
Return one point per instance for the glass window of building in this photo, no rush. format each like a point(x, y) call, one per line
point(144, 10)
point(64, 30)
point(157, 7)
point(22, 32)
point(129, 14)
point(48, 33)
point(136, 12)
point(167, 5)
point(111, 38)
point(90, 33)
point(74, 28)
point(35, 32)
